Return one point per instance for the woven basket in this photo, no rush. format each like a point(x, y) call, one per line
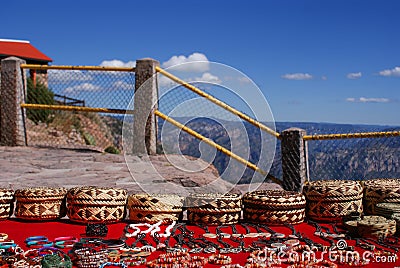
point(91, 204)
point(387, 209)
point(274, 207)
point(396, 217)
point(152, 208)
point(333, 200)
point(40, 203)
point(213, 209)
point(6, 203)
point(380, 191)
point(376, 227)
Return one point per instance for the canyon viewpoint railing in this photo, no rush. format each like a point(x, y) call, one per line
point(300, 157)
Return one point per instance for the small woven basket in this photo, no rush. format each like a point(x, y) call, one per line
point(213, 209)
point(387, 209)
point(332, 200)
point(152, 208)
point(376, 227)
point(274, 207)
point(6, 203)
point(40, 203)
point(380, 191)
point(90, 204)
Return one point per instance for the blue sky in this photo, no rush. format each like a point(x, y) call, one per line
point(316, 61)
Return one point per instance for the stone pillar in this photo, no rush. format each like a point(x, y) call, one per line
point(145, 103)
point(294, 159)
point(12, 94)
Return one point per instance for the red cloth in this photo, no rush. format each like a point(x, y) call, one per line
point(20, 230)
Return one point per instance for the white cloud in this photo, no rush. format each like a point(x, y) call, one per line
point(123, 85)
point(82, 87)
point(297, 76)
point(207, 77)
point(117, 63)
point(390, 72)
point(199, 63)
point(354, 75)
point(368, 100)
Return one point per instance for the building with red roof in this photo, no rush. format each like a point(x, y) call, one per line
point(24, 50)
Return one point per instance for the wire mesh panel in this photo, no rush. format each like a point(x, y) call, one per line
point(355, 158)
point(217, 124)
point(80, 88)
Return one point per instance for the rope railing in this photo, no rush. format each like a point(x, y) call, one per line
point(215, 145)
point(83, 68)
point(75, 108)
point(352, 135)
point(218, 102)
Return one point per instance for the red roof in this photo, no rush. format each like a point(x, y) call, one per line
point(22, 49)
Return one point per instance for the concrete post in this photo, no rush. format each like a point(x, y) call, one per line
point(12, 94)
point(294, 159)
point(145, 103)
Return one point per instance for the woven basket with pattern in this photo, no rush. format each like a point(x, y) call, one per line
point(40, 203)
point(331, 200)
point(376, 227)
point(380, 191)
point(213, 209)
point(152, 208)
point(6, 203)
point(387, 209)
point(90, 204)
point(274, 207)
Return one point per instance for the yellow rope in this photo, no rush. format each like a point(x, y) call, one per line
point(218, 102)
point(75, 108)
point(353, 135)
point(84, 68)
point(213, 144)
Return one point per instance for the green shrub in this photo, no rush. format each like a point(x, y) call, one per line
point(39, 95)
point(89, 139)
point(112, 150)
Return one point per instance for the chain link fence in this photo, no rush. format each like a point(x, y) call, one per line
point(220, 126)
point(355, 158)
point(80, 88)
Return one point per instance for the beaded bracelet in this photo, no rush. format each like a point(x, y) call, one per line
point(39, 244)
point(123, 265)
point(36, 238)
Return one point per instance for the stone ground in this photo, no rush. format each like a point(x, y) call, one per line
point(22, 167)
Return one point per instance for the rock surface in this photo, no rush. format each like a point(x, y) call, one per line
point(29, 166)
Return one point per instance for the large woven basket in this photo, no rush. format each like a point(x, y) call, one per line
point(6, 203)
point(380, 191)
point(40, 203)
point(90, 204)
point(332, 200)
point(152, 208)
point(274, 207)
point(213, 209)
